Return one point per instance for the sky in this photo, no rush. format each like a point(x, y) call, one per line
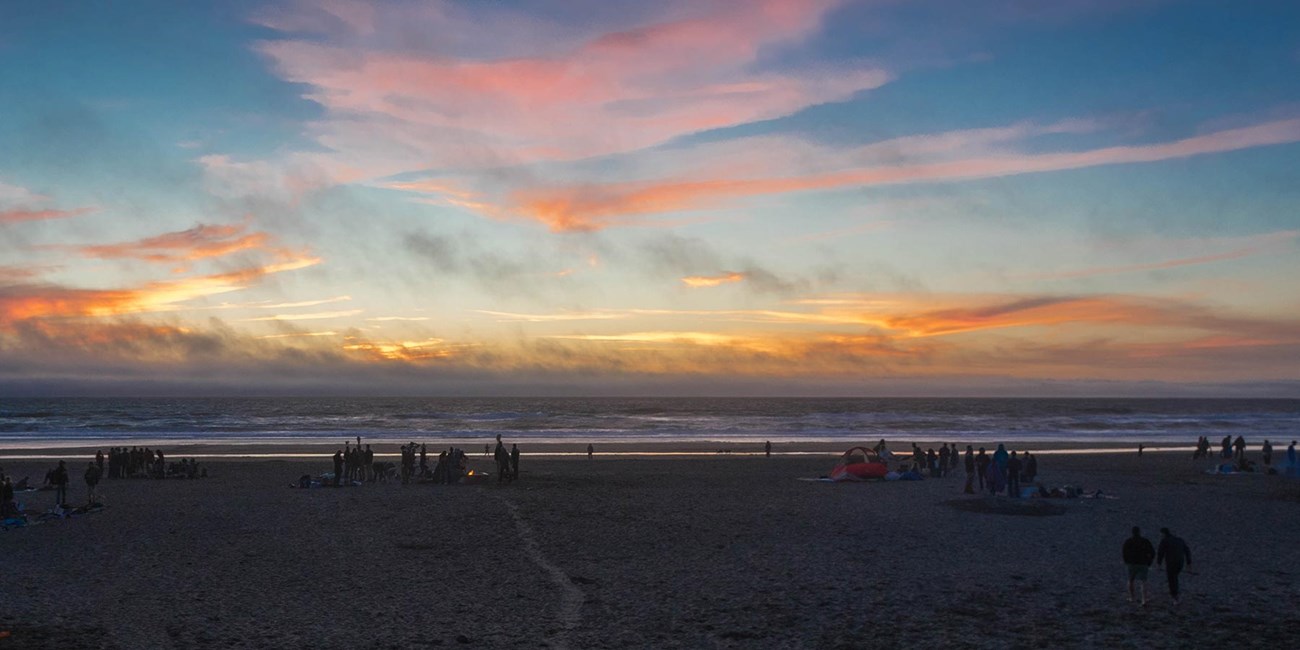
point(761, 197)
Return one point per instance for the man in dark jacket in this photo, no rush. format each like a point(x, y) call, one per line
point(59, 479)
point(1174, 554)
point(1138, 556)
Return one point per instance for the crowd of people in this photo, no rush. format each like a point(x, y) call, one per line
point(355, 465)
point(996, 473)
point(143, 462)
point(118, 463)
point(1234, 452)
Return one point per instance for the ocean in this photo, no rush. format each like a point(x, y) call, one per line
point(84, 422)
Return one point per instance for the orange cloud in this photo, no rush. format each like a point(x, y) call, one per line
point(406, 350)
point(698, 281)
point(23, 302)
point(588, 207)
point(197, 243)
point(18, 215)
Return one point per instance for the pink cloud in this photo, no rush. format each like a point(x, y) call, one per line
point(620, 91)
point(594, 206)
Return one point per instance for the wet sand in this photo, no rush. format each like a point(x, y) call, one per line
point(698, 552)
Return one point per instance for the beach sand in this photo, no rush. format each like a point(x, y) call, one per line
point(704, 552)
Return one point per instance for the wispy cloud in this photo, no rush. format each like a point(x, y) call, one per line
point(33, 301)
point(592, 206)
point(693, 67)
point(294, 335)
point(18, 215)
point(1240, 247)
point(200, 242)
point(323, 315)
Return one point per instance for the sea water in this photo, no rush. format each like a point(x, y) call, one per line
point(68, 422)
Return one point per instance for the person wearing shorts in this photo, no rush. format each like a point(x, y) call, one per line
point(1138, 555)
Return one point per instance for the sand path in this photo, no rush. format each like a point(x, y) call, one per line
point(571, 597)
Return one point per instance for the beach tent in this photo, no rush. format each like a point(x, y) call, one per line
point(859, 464)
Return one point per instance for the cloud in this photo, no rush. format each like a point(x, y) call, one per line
point(1240, 247)
point(593, 206)
point(15, 195)
point(693, 68)
point(324, 315)
point(22, 302)
point(18, 215)
point(700, 281)
point(200, 242)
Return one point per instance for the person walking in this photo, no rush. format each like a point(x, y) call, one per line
point(767, 449)
point(1174, 555)
point(514, 461)
point(1138, 556)
point(591, 451)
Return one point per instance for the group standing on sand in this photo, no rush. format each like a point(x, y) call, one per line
point(1234, 452)
point(1002, 472)
point(357, 465)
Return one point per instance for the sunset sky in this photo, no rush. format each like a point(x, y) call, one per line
point(671, 198)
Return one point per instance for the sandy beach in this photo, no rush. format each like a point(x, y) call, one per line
point(696, 552)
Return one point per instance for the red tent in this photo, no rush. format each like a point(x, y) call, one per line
point(859, 464)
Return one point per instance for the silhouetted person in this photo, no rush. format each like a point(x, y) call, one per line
point(514, 461)
point(1140, 448)
point(1267, 452)
point(767, 449)
point(99, 460)
point(997, 477)
point(1138, 555)
point(918, 458)
point(591, 451)
point(981, 467)
point(59, 479)
point(1174, 555)
point(1227, 447)
point(1290, 455)
point(338, 467)
point(1239, 445)
point(1030, 471)
point(502, 457)
point(970, 470)
point(1013, 476)
point(881, 450)
point(7, 506)
point(92, 479)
